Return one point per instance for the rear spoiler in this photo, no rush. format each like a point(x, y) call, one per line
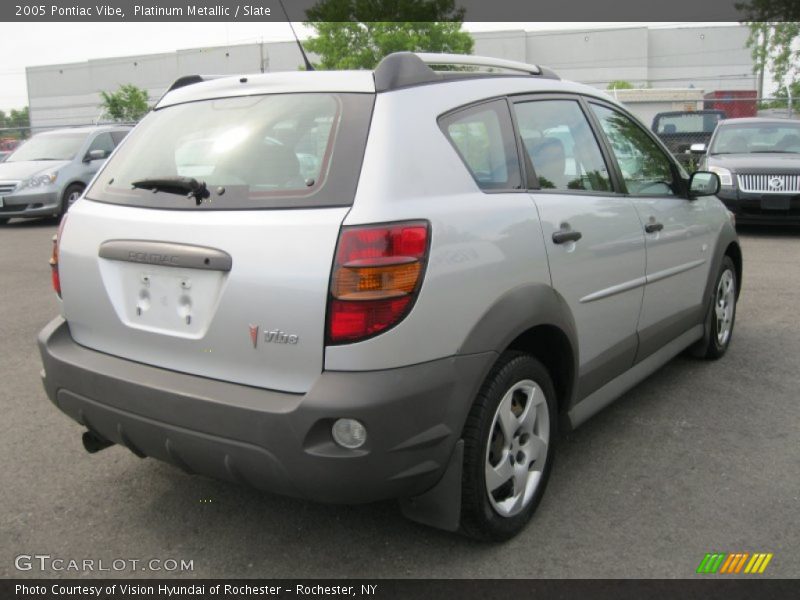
point(188, 80)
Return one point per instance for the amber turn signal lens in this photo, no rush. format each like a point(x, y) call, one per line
point(366, 283)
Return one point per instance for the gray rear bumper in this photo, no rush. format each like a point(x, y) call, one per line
point(271, 440)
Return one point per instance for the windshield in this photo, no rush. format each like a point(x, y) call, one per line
point(688, 123)
point(49, 146)
point(757, 137)
point(249, 151)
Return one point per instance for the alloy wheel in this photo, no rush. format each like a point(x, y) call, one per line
point(517, 448)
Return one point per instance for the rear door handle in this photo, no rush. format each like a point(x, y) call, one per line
point(653, 227)
point(563, 236)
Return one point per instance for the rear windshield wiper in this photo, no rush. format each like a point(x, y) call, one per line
point(188, 186)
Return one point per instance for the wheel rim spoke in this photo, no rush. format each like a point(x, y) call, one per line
point(508, 421)
point(498, 475)
point(535, 449)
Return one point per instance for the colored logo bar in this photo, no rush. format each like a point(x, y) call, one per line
point(725, 563)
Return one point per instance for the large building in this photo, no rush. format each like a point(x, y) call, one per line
point(704, 58)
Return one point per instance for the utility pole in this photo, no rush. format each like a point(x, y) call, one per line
point(262, 65)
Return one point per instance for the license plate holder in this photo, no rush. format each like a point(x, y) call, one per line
point(775, 203)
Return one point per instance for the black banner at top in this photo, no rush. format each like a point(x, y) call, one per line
point(397, 10)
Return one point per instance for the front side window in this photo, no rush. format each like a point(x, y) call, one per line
point(118, 136)
point(561, 146)
point(263, 151)
point(484, 139)
point(645, 168)
point(103, 142)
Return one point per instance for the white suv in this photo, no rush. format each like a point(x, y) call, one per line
point(354, 286)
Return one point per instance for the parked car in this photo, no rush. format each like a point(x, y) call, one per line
point(4, 154)
point(758, 163)
point(680, 129)
point(47, 173)
point(418, 318)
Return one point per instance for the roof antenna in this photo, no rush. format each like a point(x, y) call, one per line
point(309, 66)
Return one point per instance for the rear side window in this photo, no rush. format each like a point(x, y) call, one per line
point(561, 146)
point(268, 151)
point(483, 136)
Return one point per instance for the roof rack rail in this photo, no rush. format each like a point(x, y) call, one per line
point(468, 60)
point(402, 69)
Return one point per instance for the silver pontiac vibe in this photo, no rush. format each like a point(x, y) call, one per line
point(405, 283)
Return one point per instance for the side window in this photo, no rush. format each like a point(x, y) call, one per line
point(645, 168)
point(102, 142)
point(561, 146)
point(484, 138)
point(118, 136)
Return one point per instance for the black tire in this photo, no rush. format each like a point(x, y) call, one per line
point(711, 347)
point(479, 518)
point(3, 221)
point(75, 188)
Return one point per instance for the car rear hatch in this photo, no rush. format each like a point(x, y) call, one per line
point(205, 245)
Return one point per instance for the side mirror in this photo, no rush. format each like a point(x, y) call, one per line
point(703, 183)
point(697, 148)
point(95, 155)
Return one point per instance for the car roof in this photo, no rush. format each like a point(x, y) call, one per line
point(690, 112)
point(464, 90)
point(758, 120)
point(85, 130)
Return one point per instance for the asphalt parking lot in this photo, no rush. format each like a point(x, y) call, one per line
point(701, 457)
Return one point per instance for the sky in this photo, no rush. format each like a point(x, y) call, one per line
point(33, 44)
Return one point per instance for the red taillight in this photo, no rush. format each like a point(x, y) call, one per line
point(54, 258)
point(376, 276)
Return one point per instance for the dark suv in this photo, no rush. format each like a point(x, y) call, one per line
point(758, 163)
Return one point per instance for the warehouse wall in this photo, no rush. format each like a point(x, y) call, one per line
point(70, 94)
point(706, 58)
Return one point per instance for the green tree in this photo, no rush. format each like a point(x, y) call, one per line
point(774, 39)
point(127, 104)
point(620, 84)
point(349, 36)
point(16, 123)
point(781, 97)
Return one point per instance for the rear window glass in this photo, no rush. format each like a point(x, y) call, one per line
point(280, 150)
point(688, 123)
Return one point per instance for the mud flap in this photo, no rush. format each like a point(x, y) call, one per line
point(440, 506)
